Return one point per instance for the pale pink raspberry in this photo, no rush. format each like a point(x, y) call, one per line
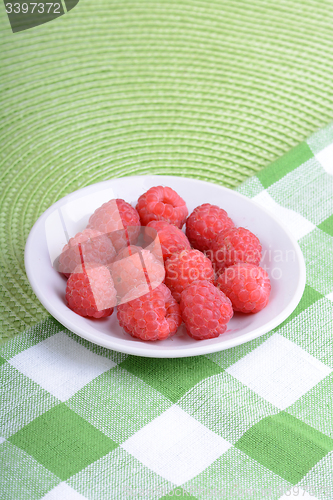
point(135, 271)
point(118, 220)
point(89, 246)
point(90, 292)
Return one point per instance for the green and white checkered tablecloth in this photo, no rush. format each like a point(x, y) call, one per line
point(82, 422)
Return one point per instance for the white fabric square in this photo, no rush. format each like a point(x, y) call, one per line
point(63, 492)
point(176, 446)
point(279, 371)
point(325, 158)
point(2, 440)
point(330, 296)
point(60, 365)
point(296, 223)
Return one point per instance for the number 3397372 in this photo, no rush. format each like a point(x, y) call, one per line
point(40, 8)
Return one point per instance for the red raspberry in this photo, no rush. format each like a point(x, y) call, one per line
point(91, 292)
point(96, 248)
point(154, 316)
point(162, 203)
point(204, 223)
point(171, 238)
point(235, 245)
point(247, 286)
point(205, 310)
point(185, 267)
point(118, 220)
point(134, 270)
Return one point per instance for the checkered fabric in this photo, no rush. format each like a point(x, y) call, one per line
point(79, 421)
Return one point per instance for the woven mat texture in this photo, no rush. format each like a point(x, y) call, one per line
point(209, 89)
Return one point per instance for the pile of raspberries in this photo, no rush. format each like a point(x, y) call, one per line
point(202, 277)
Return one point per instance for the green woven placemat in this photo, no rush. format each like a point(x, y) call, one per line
point(213, 90)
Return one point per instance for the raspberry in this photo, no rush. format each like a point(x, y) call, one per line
point(205, 310)
point(118, 220)
point(96, 248)
point(133, 273)
point(247, 286)
point(154, 316)
point(162, 203)
point(204, 223)
point(184, 268)
point(172, 239)
point(90, 292)
point(235, 245)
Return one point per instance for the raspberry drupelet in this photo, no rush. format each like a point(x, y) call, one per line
point(234, 245)
point(247, 286)
point(205, 310)
point(184, 268)
point(118, 220)
point(162, 203)
point(154, 316)
point(171, 238)
point(204, 224)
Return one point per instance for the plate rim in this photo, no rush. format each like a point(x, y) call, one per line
point(141, 346)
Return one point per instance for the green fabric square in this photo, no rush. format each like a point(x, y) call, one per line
point(62, 441)
point(288, 162)
point(171, 377)
point(118, 404)
point(285, 445)
point(327, 225)
point(2, 361)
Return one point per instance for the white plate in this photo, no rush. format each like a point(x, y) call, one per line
point(281, 256)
